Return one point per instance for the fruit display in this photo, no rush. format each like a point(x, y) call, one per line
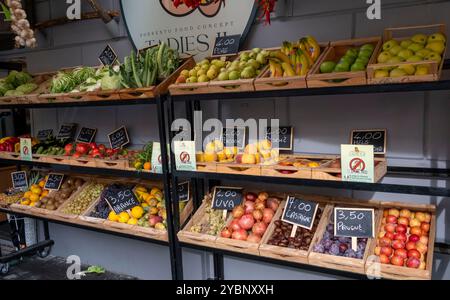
point(404, 237)
point(94, 150)
point(36, 191)
point(251, 219)
point(81, 202)
point(281, 235)
point(8, 144)
point(418, 48)
point(154, 213)
point(142, 160)
point(212, 222)
point(300, 162)
point(294, 59)
point(52, 201)
point(216, 152)
point(17, 84)
point(11, 196)
point(355, 59)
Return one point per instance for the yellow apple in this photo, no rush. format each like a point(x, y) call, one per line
point(251, 149)
point(248, 159)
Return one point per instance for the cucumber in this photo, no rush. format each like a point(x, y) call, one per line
point(40, 150)
point(61, 152)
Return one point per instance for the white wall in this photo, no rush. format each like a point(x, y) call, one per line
point(417, 123)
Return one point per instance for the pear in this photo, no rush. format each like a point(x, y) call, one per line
point(406, 43)
point(395, 50)
point(437, 37)
point(434, 56)
point(397, 73)
point(405, 54)
point(395, 60)
point(384, 57)
point(420, 38)
point(437, 47)
point(422, 70)
point(415, 58)
point(389, 44)
point(423, 53)
point(414, 47)
point(381, 73)
point(409, 69)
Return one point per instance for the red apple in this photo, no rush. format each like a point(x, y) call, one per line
point(250, 196)
point(398, 244)
point(401, 237)
point(249, 206)
point(425, 227)
point(413, 262)
point(424, 240)
point(226, 233)
point(416, 231)
point(240, 234)
point(234, 225)
point(403, 221)
point(391, 219)
point(410, 245)
point(414, 238)
point(377, 250)
point(384, 259)
point(397, 261)
point(390, 227)
point(414, 253)
point(389, 235)
point(401, 253)
point(384, 242)
point(401, 229)
point(386, 251)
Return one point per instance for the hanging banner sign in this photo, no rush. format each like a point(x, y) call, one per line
point(189, 30)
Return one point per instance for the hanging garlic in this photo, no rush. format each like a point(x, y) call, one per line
point(20, 25)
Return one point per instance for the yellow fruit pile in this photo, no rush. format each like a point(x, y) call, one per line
point(216, 152)
point(35, 193)
point(260, 152)
point(417, 49)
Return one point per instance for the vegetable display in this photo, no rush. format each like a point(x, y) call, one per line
point(17, 84)
point(65, 82)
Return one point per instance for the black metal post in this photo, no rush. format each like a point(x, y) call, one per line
point(46, 231)
point(218, 266)
point(175, 264)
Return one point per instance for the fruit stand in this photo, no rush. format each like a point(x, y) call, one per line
point(254, 229)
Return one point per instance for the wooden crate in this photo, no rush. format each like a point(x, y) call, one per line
point(101, 95)
point(210, 167)
point(241, 169)
point(373, 267)
point(435, 68)
point(285, 169)
point(267, 83)
point(83, 162)
point(353, 265)
point(43, 80)
point(119, 164)
point(334, 53)
point(59, 214)
point(10, 155)
point(91, 221)
point(328, 173)
point(56, 159)
point(290, 254)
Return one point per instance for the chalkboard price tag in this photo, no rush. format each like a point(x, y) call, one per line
point(67, 131)
point(226, 198)
point(44, 134)
point(183, 192)
point(86, 135)
point(283, 135)
point(122, 200)
point(354, 222)
point(54, 181)
point(234, 137)
point(375, 137)
point(108, 57)
point(300, 212)
point(226, 45)
point(19, 180)
point(119, 138)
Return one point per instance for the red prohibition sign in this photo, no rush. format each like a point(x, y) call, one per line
point(25, 150)
point(185, 157)
point(357, 165)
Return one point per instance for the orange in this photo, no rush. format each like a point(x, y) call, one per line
point(44, 193)
point(155, 190)
point(147, 166)
point(42, 183)
point(113, 216)
point(34, 197)
point(132, 221)
point(36, 190)
point(25, 202)
point(137, 212)
point(124, 217)
point(27, 195)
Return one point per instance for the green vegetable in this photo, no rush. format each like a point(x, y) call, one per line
point(16, 78)
point(27, 88)
point(66, 82)
point(110, 81)
point(12, 93)
point(4, 87)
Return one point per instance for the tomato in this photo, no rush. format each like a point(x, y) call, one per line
point(76, 155)
point(102, 148)
point(92, 146)
point(68, 149)
point(82, 148)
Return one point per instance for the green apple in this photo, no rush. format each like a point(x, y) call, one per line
point(192, 79)
point(395, 60)
point(193, 73)
point(423, 53)
point(437, 47)
point(437, 37)
point(261, 58)
point(389, 44)
point(384, 57)
point(243, 64)
point(205, 67)
point(253, 63)
point(185, 73)
point(367, 53)
point(405, 54)
point(219, 63)
point(342, 67)
point(248, 72)
point(234, 75)
point(406, 43)
point(223, 76)
point(256, 50)
point(381, 73)
point(370, 47)
point(348, 59)
point(212, 73)
point(397, 73)
point(204, 62)
point(202, 78)
point(244, 56)
point(201, 72)
point(419, 38)
point(434, 56)
point(352, 52)
point(395, 50)
point(362, 60)
point(358, 67)
point(409, 69)
point(414, 47)
point(421, 70)
point(414, 58)
point(327, 67)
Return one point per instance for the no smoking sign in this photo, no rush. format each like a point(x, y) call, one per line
point(185, 155)
point(357, 163)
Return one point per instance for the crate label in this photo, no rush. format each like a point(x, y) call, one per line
point(44, 134)
point(281, 137)
point(54, 181)
point(67, 131)
point(118, 138)
point(375, 137)
point(354, 222)
point(19, 180)
point(26, 149)
point(357, 163)
point(122, 200)
point(108, 57)
point(156, 158)
point(226, 45)
point(300, 212)
point(184, 191)
point(234, 137)
point(185, 159)
point(86, 135)
point(226, 198)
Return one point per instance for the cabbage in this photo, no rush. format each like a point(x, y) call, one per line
point(18, 78)
point(110, 81)
point(4, 87)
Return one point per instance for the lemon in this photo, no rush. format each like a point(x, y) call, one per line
point(27, 195)
point(137, 212)
point(25, 202)
point(42, 183)
point(36, 190)
point(113, 217)
point(132, 221)
point(154, 191)
point(124, 217)
point(34, 197)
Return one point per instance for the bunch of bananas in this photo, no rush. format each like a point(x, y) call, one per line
point(294, 59)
